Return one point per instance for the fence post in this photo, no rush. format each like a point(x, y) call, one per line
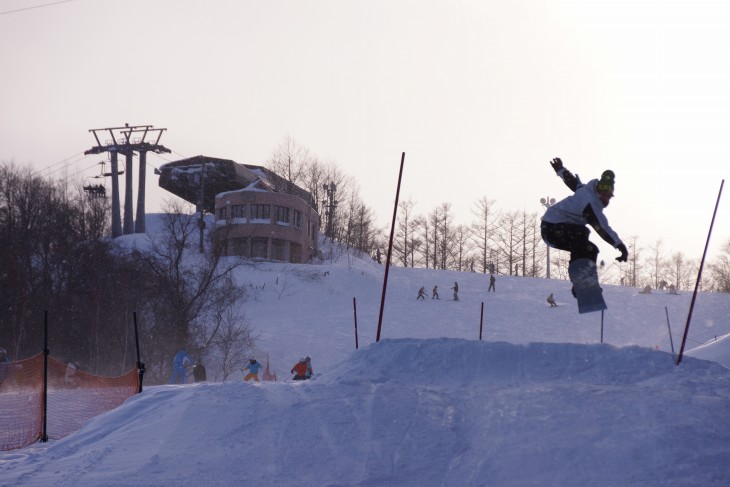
point(390, 247)
point(699, 277)
point(354, 310)
point(481, 321)
point(44, 432)
point(140, 365)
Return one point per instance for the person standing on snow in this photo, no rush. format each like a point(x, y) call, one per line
point(421, 294)
point(491, 283)
point(179, 362)
point(435, 293)
point(456, 291)
point(4, 364)
point(199, 372)
point(564, 224)
point(253, 370)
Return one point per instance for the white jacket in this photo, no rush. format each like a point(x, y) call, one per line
point(584, 207)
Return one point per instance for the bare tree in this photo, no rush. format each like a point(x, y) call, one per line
point(634, 265)
point(681, 270)
point(291, 161)
point(229, 344)
point(482, 230)
point(530, 244)
point(462, 245)
point(509, 238)
point(720, 270)
point(403, 240)
point(427, 234)
point(656, 263)
point(189, 291)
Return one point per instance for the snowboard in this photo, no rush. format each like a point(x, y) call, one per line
point(584, 276)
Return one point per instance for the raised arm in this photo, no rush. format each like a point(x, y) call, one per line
point(571, 181)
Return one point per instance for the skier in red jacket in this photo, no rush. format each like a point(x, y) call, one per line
point(300, 370)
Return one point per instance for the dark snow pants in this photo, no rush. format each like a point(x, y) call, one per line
point(571, 238)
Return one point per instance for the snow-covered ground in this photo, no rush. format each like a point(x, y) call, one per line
point(538, 401)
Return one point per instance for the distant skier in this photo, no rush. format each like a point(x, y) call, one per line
point(310, 372)
point(435, 293)
point(551, 301)
point(199, 372)
point(491, 283)
point(4, 365)
point(179, 362)
point(300, 370)
point(564, 223)
point(456, 291)
point(421, 294)
point(253, 367)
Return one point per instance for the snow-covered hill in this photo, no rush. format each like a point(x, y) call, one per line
point(539, 401)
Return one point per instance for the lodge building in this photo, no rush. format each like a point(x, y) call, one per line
point(259, 214)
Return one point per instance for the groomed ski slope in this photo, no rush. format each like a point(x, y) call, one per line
point(539, 401)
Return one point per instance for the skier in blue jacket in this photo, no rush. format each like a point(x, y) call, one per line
point(178, 366)
point(253, 367)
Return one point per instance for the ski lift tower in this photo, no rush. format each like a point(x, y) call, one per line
point(123, 141)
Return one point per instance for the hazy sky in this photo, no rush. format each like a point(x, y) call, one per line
point(480, 95)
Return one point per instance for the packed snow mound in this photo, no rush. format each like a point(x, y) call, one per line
point(461, 363)
point(414, 412)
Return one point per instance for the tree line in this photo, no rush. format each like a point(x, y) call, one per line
point(498, 241)
point(56, 257)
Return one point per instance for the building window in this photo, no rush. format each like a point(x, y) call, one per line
point(222, 213)
point(282, 214)
point(260, 212)
point(297, 219)
point(278, 249)
point(239, 246)
point(238, 211)
point(259, 247)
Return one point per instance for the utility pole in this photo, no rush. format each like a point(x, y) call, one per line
point(201, 206)
point(121, 141)
point(547, 203)
point(330, 206)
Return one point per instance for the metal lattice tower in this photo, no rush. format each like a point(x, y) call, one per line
point(127, 140)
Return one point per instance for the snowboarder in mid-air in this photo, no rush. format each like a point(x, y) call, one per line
point(564, 227)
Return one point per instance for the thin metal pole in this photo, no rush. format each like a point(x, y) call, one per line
point(354, 310)
point(390, 248)
point(44, 433)
point(140, 365)
point(699, 277)
point(481, 321)
point(671, 342)
point(602, 326)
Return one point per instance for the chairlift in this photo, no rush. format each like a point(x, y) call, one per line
point(95, 190)
point(107, 174)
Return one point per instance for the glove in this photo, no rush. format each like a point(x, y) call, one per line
point(624, 253)
point(557, 164)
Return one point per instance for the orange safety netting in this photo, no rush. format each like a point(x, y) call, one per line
point(73, 398)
